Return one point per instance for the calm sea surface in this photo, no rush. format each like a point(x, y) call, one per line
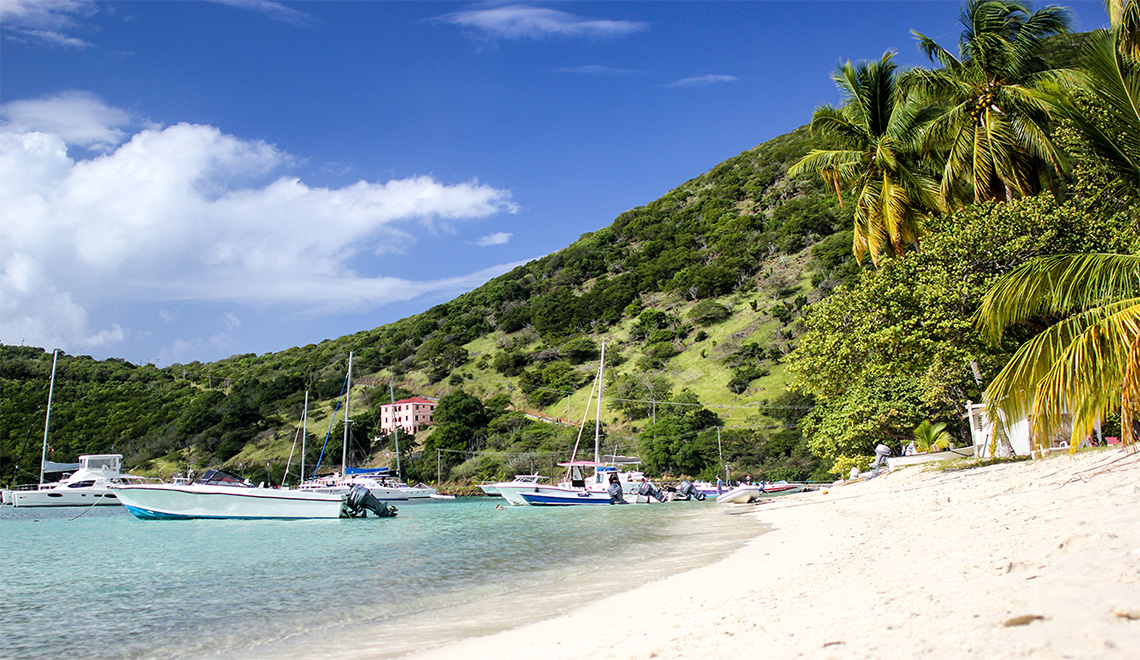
point(107, 585)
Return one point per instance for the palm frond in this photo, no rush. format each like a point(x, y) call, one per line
point(1056, 285)
point(1071, 373)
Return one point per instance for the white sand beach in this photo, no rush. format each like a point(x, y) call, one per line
point(1025, 560)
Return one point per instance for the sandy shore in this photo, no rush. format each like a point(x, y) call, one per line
point(1024, 560)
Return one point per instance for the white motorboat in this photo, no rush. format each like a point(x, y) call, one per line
point(895, 462)
point(745, 493)
point(218, 494)
point(520, 480)
point(87, 486)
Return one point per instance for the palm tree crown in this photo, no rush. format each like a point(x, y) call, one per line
point(876, 131)
point(992, 134)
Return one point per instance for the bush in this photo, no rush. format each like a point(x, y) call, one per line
point(708, 312)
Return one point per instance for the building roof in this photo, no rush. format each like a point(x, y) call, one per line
point(415, 399)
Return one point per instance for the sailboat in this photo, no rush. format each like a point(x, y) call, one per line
point(578, 488)
point(90, 483)
point(379, 481)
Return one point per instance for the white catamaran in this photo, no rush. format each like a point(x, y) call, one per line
point(88, 485)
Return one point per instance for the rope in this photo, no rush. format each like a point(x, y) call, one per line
point(101, 495)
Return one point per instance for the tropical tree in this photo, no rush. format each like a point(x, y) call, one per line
point(876, 130)
point(1081, 368)
point(992, 135)
point(929, 435)
point(1105, 110)
point(1125, 17)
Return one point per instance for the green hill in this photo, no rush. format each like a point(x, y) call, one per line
point(696, 295)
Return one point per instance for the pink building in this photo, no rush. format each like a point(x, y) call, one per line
point(409, 414)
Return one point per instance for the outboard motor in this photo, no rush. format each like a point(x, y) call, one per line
point(360, 501)
point(686, 490)
point(881, 453)
point(647, 489)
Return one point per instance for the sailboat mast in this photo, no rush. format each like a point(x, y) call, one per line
point(347, 418)
point(395, 426)
point(598, 419)
point(304, 432)
point(47, 418)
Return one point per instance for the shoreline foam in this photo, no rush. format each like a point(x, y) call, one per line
point(913, 563)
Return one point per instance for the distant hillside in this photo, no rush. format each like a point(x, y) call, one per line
point(699, 290)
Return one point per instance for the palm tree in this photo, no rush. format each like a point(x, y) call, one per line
point(1081, 368)
point(1105, 110)
point(1125, 17)
point(876, 131)
point(929, 436)
point(992, 137)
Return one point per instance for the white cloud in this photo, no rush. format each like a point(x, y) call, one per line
point(54, 22)
point(498, 238)
point(596, 70)
point(517, 22)
point(186, 212)
point(79, 118)
point(46, 21)
point(274, 10)
point(702, 81)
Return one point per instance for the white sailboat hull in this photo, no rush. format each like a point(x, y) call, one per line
point(169, 502)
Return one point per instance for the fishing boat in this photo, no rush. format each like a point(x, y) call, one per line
point(219, 494)
point(745, 493)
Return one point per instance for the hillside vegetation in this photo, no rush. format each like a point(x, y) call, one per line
point(697, 296)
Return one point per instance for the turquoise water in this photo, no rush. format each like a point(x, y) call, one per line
point(107, 585)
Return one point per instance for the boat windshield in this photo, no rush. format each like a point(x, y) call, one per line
point(220, 478)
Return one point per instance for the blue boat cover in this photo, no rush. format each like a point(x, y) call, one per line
point(367, 470)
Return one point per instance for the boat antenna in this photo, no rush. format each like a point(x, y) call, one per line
point(395, 426)
point(47, 418)
point(347, 419)
point(598, 419)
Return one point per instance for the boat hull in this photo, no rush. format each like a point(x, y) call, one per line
point(50, 497)
point(575, 498)
point(166, 502)
point(751, 493)
point(895, 462)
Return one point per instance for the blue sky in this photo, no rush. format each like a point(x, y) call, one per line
point(190, 180)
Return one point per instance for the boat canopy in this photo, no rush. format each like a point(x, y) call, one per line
point(350, 470)
point(621, 460)
point(52, 466)
point(221, 478)
point(593, 464)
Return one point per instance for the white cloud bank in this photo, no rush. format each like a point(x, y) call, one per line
point(188, 213)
